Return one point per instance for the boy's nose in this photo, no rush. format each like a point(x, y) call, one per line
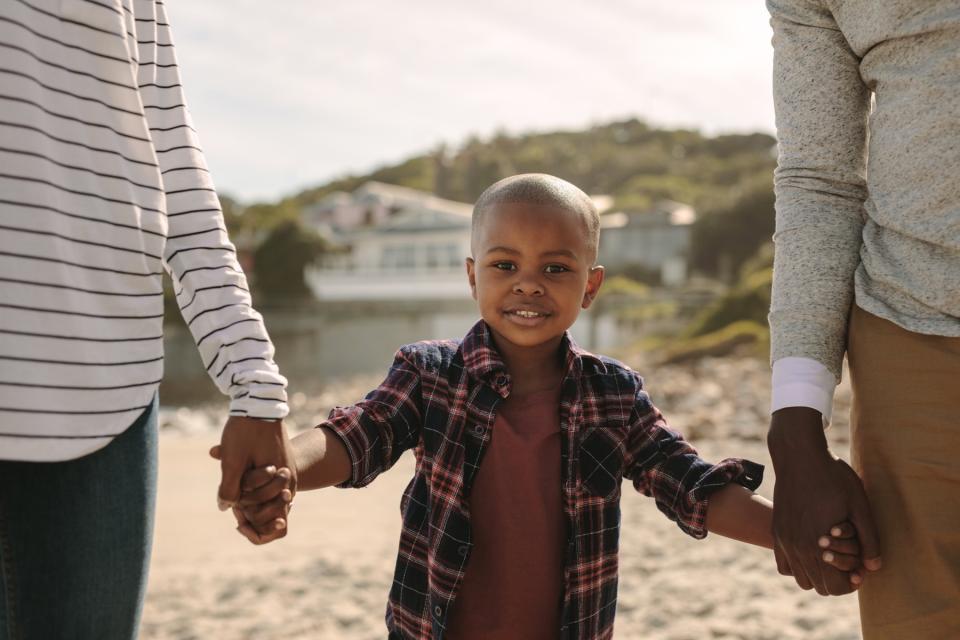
point(527, 286)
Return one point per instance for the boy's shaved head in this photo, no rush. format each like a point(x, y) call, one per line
point(543, 190)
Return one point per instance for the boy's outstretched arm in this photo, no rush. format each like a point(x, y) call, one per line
point(736, 512)
point(321, 459)
point(354, 445)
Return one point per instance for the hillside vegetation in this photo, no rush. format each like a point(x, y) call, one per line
point(727, 178)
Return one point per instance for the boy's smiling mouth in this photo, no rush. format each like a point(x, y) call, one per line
point(526, 315)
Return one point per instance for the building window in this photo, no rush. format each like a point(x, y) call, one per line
point(454, 257)
point(434, 256)
point(401, 257)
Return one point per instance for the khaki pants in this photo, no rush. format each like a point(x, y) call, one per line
point(905, 430)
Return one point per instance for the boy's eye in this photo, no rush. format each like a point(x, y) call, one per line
point(504, 266)
point(555, 268)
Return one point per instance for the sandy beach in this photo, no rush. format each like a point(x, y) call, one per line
point(328, 579)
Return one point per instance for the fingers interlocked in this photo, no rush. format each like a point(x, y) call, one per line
point(264, 503)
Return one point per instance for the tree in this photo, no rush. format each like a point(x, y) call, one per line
point(723, 239)
point(280, 260)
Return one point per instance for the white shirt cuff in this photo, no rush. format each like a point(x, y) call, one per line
point(802, 382)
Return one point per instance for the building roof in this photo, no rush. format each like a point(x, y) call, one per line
point(663, 212)
point(403, 197)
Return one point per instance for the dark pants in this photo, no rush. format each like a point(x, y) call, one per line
point(75, 540)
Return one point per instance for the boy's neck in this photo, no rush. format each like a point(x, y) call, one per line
point(532, 368)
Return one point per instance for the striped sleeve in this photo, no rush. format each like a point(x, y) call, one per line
point(211, 289)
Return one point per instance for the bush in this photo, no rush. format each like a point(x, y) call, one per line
point(749, 301)
point(622, 286)
point(733, 338)
point(722, 240)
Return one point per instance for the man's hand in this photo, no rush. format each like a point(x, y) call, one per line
point(247, 443)
point(813, 492)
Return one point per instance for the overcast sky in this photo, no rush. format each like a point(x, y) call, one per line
point(289, 94)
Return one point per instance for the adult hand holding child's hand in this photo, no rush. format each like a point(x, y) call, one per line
point(815, 491)
point(249, 443)
point(264, 504)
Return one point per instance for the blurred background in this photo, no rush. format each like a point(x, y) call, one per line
point(348, 142)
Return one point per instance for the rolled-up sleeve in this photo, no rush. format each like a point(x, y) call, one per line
point(664, 466)
point(822, 106)
point(376, 431)
point(211, 288)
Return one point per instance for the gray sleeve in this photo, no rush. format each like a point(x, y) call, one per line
point(822, 107)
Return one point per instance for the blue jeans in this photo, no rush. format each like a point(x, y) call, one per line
point(75, 540)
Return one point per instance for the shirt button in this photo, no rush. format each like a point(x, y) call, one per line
point(462, 550)
point(501, 381)
point(437, 611)
point(478, 429)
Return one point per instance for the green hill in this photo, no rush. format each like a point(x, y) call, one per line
point(630, 160)
point(727, 178)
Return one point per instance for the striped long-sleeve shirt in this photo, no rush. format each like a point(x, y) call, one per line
point(103, 187)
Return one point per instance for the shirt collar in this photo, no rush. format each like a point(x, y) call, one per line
point(483, 361)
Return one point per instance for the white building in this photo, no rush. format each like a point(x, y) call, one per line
point(404, 255)
point(404, 244)
point(657, 239)
point(401, 244)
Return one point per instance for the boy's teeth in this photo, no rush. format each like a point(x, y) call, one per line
point(527, 314)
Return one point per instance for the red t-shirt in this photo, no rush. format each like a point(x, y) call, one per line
point(513, 584)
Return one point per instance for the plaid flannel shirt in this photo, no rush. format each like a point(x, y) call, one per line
point(440, 399)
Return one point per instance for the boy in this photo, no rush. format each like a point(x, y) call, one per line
point(511, 523)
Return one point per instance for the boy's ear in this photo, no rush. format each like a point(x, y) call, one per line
point(594, 280)
point(472, 277)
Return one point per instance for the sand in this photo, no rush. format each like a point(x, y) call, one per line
point(328, 579)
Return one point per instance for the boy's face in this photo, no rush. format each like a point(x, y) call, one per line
point(531, 272)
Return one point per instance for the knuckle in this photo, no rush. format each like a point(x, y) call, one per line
point(265, 522)
point(231, 463)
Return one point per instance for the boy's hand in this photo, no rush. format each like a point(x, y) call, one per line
point(264, 503)
point(262, 487)
point(841, 550)
point(247, 443)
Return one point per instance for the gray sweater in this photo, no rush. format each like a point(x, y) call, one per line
point(867, 96)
